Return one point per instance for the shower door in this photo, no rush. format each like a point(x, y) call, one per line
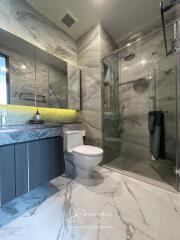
point(177, 56)
point(146, 81)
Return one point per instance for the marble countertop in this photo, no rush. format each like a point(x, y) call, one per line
point(15, 128)
point(24, 133)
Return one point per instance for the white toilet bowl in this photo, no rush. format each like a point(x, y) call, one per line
point(80, 158)
point(85, 159)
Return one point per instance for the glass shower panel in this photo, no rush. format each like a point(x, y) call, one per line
point(163, 98)
point(111, 102)
point(134, 98)
point(178, 120)
point(177, 57)
point(146, 82)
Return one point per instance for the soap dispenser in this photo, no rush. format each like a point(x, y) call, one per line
point(37, 116)
point(37, 119)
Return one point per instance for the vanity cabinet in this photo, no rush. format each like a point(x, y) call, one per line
point(21, 168)
point(25, 166)
point(45, 161)
point(7, 174)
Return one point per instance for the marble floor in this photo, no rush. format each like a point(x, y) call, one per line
point(110, 206)
point(157, 173)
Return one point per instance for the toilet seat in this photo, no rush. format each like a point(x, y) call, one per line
point(87, 150)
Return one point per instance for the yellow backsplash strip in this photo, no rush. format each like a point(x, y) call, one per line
point(21, 114)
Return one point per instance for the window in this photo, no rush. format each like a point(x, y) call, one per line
point(4, 79)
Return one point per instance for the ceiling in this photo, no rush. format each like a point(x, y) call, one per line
point(121, 18)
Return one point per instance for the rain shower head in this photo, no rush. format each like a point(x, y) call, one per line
point(129, 57)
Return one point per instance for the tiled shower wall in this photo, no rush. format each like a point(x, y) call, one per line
point(92, 47)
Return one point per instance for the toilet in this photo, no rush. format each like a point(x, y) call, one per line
point(83, 158)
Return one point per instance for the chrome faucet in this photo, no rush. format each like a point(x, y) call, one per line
point(3, 119)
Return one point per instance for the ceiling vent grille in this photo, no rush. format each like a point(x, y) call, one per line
point(68, 19)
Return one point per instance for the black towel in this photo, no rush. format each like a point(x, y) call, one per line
point(157, 134)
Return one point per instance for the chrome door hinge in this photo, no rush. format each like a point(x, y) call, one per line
point(177, 172)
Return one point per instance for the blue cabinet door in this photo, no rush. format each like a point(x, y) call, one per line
point(46, 160)
point(21, 168)
point(36, 150)
point(56, 157)
point(7, 174)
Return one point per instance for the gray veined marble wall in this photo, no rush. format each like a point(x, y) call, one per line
point(88, 48)
point(21, 19)
point(92, 47)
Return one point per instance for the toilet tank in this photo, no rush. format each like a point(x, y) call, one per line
point(73, 139)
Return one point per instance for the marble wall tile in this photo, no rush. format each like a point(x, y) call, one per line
point(92, 124)
point(108, 45)
point(27, 23)
point(88, 48)
point(92, 47)
point(89, 61)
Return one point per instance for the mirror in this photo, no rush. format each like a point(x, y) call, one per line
point(20, 70)
point(30, 76)
point(4, 79)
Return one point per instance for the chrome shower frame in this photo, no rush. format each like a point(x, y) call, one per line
point(177, 56)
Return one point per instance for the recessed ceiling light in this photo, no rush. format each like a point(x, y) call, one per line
point(128, 45)
point(150, 77)
point(125, 68)
point(142, 62)
point(23, 66)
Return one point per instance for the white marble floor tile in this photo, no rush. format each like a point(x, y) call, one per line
point(110, 206)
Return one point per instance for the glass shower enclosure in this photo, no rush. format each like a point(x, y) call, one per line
point(137, 79)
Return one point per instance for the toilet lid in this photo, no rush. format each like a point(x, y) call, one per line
point(87, 150)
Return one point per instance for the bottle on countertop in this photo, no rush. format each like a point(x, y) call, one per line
point(37, 116)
